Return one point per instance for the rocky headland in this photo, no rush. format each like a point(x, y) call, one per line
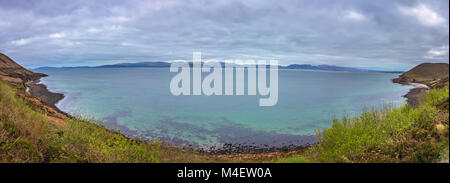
point(422, 77)
point(27, 81)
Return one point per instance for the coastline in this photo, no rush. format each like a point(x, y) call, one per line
point(414, 94)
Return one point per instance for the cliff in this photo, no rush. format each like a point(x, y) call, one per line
point(21, 78)
point(10, 71)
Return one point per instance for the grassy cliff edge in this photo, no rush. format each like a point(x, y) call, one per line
point(403, 134)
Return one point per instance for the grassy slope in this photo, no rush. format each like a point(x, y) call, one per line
point(399, 134)
point(27, 135)
point(428, 72)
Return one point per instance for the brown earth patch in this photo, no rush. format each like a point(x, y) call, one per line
point(11, 79)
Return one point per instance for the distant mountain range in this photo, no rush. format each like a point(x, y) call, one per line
point(321, 67)
point(120, 65)
point(139, 64)
point(166, 64)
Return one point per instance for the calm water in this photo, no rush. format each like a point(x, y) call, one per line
point(139, 102)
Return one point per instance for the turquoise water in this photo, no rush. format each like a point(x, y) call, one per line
point(139, 102)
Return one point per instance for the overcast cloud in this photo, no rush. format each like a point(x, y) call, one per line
point(381, 34)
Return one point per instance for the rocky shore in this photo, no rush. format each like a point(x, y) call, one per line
point(39, 90)
point(413, 96)
point(31, 83)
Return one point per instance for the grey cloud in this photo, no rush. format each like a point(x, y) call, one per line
point(378, 35)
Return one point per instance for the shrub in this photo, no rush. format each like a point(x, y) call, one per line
point(400, 134)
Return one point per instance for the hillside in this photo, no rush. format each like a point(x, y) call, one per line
point(434, 75)
point(427, 73)
point(12, 72)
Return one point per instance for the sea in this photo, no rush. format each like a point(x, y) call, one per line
point(138, 101)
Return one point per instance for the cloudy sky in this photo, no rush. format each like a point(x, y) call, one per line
point(382, 34)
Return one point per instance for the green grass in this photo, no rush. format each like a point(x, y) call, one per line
point(26, 135)
point(399, 134)
point(436, 96)
point(88, 142)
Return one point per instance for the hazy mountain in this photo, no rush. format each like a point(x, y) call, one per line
point(138, 64)
point(166, 64)
point(321, 67)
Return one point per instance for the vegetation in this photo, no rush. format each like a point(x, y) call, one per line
point(26, 135)
point(399, 134)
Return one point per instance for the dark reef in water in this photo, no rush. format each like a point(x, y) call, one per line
point(232, 138)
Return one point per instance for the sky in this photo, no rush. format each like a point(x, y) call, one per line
point(381, 34)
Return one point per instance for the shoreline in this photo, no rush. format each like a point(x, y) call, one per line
point(41, 91)
point(414, 94)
